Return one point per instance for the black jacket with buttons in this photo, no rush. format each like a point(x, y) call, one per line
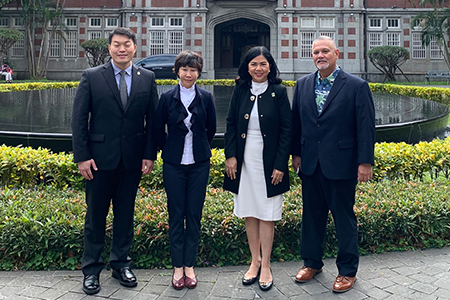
point(275, 119)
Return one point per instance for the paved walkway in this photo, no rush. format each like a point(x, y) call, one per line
point(397, 275)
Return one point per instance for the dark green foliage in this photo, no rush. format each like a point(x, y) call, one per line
point(96, 51)
point(387, 59)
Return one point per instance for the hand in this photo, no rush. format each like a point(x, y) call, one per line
point(296, 163)
point(277, 176)
point(147, 166)
point(364, 172)
point(231, 167)
point(85, 168)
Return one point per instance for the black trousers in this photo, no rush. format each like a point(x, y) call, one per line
point(118, 187)
point(186, 188)
point(321, 195)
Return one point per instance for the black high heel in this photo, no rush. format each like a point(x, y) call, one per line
point(265, 286)
point(251, 280)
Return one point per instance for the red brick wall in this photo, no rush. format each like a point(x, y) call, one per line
point(93, 3)
point(167, 3)
point(398, 3)
point(317, 3)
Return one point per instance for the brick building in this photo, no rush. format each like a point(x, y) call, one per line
point(223, 30)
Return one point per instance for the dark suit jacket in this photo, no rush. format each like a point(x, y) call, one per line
point(171, 112)
point(103, 130)
point(343, 136)
point(276, 125)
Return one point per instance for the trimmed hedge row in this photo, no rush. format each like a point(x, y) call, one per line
point(42, 228)
point(27, 167)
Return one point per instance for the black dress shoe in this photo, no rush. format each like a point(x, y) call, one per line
point(91, 284)
point(250, 280)
point(125, 277)
point(265, 286)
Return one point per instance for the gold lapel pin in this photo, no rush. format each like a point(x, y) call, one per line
point(252, 98)
point(139, 73)
point(273, 94)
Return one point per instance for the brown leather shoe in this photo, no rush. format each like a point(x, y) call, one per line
point(343, 284)
point(190, 283)
point(306, 274)
point(177, 284)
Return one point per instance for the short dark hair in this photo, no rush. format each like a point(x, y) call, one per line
point(123, 31)
point(245, 78)
point(188, 58)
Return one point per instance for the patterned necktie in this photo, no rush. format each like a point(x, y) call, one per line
point(123, 88)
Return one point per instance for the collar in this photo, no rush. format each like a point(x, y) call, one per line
point(117, 70)
point(330, 79)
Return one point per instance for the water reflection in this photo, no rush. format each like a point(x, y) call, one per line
point(50, 111)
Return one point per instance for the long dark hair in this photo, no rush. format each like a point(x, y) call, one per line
point(245, 78)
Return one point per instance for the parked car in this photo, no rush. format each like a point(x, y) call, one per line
point(161, 64)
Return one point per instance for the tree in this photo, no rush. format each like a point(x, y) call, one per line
point(434, 26)
point(96, 51)
point(43, 17)
point(387, 59)
point(7, 38)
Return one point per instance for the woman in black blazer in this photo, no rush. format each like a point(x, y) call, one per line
point(185, 124)
point(257, 147)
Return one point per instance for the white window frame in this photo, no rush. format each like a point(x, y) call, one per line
point(55, 48)
point(306, 40)
point(371, 26)
point(175, 19)
point(324, 20)
point(95, 34)
point(71, 22)
point(114, 20)
point(308, 22)
point(95, 25)
point(393, 38)
point(175, 41)
point(71, 44)
point(156, 42)
point(435, 50)
point(18, 48)
point(18, 22)
point(330, 34)
point(389, 22)
point(4, 22)
point(154, 23)
point(375, 39)
point(418, 51)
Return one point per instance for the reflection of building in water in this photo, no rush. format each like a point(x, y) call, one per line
point(393, 109)
point(223, 30)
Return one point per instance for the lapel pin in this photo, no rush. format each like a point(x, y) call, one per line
point(273, 94)
point(252, 98)
point(139, 73)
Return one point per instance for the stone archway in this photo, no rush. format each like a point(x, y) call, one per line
point(235, 37)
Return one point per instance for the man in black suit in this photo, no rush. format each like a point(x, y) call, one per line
point(113, 146)
point(333, 148)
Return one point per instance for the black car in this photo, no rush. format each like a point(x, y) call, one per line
point(161, 64)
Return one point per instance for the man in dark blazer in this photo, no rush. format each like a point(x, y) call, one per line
point(113, 146)
point(332, 148)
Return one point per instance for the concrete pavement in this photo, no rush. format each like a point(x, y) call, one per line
point(397, 275)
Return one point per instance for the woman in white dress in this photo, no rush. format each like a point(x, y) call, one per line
point(257, 147)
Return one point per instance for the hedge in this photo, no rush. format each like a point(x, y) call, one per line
point(27, 167)
point(42, 228)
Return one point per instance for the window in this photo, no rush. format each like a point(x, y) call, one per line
point(176, 22)
point(54, 47)
point(375, 23)
point(156, 42)
point(435, 49)
point(375, 39)
point(418, 50)
point(307, 39)
point(71, 22)
point(4, 22)
point(18, 49)
point(94, 35)
point(111, 22)
point(18, 22)
point(175, 42)
point(392, 23)
point(157, 22)
point(417, 24)
point(328, 34)
point(70, 49)
point(308, 22)
point(393, 39)
point(95, 22)
point(327, 22)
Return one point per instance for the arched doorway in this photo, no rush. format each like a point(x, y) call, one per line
point(234, 38)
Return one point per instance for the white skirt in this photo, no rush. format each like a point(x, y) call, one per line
point(252, 201)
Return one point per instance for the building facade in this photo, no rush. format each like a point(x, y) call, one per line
point(223, 30)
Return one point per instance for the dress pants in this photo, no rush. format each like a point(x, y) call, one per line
point(186, 188)
point(320, 195)
point(118, 186)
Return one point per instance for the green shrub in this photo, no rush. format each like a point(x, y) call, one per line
point(43, 228)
